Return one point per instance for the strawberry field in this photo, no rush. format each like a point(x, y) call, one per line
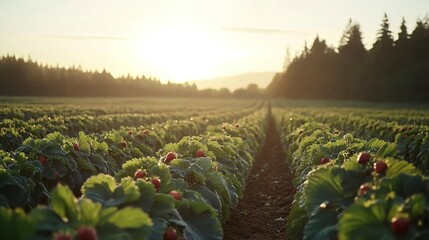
point(212, 169)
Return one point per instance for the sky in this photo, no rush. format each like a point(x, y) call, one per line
point(184, 40)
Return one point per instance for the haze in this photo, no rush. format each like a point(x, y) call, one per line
point(185, 40)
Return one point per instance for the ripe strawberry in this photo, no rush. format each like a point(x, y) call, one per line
point(76, 146)
point(62, 236)
point(42, 159)
point(139, 174)
point(237, 125)
point(170, 156)
point(123, 144)
point(130, 133)
point(364, 158)
point(400, 225)
point(380, 167)
point(364, 188)
point(176, 195)
point(324, 160)
point(156, 183)
point(170, 234)
point(200, 153)
point(86, 233)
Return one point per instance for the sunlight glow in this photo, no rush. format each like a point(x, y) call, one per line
point(182, 53)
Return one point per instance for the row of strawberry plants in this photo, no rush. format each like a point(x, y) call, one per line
point(30, 172)
point(185, 194)
point(386, 113)
point(28, 110)
point(14, 131)
point(350, 188)
point(412, 141)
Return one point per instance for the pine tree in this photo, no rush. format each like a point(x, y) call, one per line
point(351, 46)
point(403, 34)
point(385, 38)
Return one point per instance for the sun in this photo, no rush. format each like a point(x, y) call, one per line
point(182, 53)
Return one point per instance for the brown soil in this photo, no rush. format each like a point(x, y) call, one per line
point(262, 212)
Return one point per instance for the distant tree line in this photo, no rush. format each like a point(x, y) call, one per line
point(19, 77)
point(393, 69)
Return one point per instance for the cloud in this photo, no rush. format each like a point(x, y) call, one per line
point(83, 37)
point(266, 31)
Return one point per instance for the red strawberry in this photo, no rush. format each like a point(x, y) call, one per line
point(364, 188)
point(176, 195)
point(156, 183)
point(170, 234)
point(62, 236)
point(42, 159)
point(130, 133)
point(200, 153)
point(400, 225)
point(76, 146)
point(139, 174)
point(364, 158)
point(324, 160)
point(170, 156)
point(123, 144)
point(380, 167)
point(86, 233)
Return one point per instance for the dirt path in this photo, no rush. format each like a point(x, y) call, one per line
point(261, 214)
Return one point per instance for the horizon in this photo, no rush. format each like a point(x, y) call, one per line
point(176, 43)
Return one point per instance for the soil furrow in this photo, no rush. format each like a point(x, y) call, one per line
point(261, 213)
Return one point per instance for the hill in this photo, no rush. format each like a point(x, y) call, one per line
point(262, 79)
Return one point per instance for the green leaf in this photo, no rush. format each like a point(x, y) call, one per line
point(322, 225)
point(129, 217)
point(405, 185)
point(162, 206)
point(361, 223)
point(99, 188)
point(324, 185)
point(89, 212)
point(418, 204)
point(210, 196)
point(147, 195)
point(47, 220)
point(296, 220)
point(200, 224)
point(205, 163)
point(396, 167)
point(64, 203)
point(384, 149)
point(14, 224)
point(129, 189)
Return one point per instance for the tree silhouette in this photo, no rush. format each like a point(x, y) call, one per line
point(392, 70)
